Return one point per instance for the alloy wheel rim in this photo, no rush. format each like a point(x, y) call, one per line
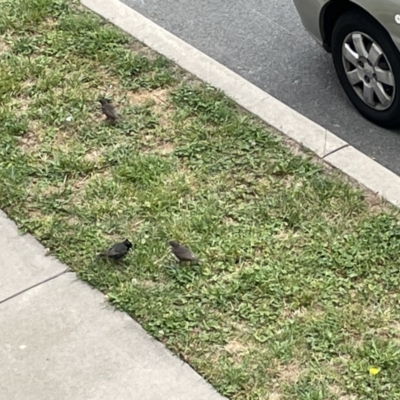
point(368, 71)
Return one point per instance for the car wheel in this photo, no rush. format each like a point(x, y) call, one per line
point(368, 66)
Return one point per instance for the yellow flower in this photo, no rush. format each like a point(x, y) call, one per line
point(374, 370)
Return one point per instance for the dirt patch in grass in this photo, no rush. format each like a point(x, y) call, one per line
point(337, 392)
point(142, 96)
point(138, 48)
point(32, 138)
point(36, 215)
point(93, 155)
point(290, 373)
point(234, 347)
point(22, 103)
point(275, 396)
point(165, 149)
point(375, 202)
point(3, 46)
point(28, 141)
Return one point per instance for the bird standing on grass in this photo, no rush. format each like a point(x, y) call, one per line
point(117, 251)
point(109, 110)
point(182, 253)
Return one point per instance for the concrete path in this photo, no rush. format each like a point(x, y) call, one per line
point(61, 340)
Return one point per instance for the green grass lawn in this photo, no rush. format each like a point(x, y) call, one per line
point(298, 293)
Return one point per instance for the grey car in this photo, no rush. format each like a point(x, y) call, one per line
point(364, 39)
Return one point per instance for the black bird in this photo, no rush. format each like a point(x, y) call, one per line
point(182, 253)
point(109, 110)
point(117, 251)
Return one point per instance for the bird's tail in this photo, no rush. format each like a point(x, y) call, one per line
point(101, 254)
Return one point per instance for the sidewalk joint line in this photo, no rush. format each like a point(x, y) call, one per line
point(33, 286)
point(334, 151)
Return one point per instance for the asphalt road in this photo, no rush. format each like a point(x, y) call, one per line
point(265, 43)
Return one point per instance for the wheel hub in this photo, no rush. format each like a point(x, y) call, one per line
point(369, 70)
point(366, 71)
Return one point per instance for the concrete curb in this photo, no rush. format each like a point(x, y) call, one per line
point(322, 142)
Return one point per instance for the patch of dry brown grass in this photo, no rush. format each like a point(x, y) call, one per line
point(4, 47)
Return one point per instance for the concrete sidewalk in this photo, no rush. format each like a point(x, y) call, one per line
point(61, 340)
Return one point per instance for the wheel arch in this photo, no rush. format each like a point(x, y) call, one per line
point(331, 13)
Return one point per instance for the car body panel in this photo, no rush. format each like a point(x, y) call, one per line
point(310, 14)
point(384, 11)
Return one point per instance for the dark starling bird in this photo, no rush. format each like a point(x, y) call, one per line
point(182, 253)
point(117, 251)
point(109, 110)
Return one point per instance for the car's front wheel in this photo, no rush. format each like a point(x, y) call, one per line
point(368, 66)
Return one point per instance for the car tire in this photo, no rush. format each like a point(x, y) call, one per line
point(371, 81)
